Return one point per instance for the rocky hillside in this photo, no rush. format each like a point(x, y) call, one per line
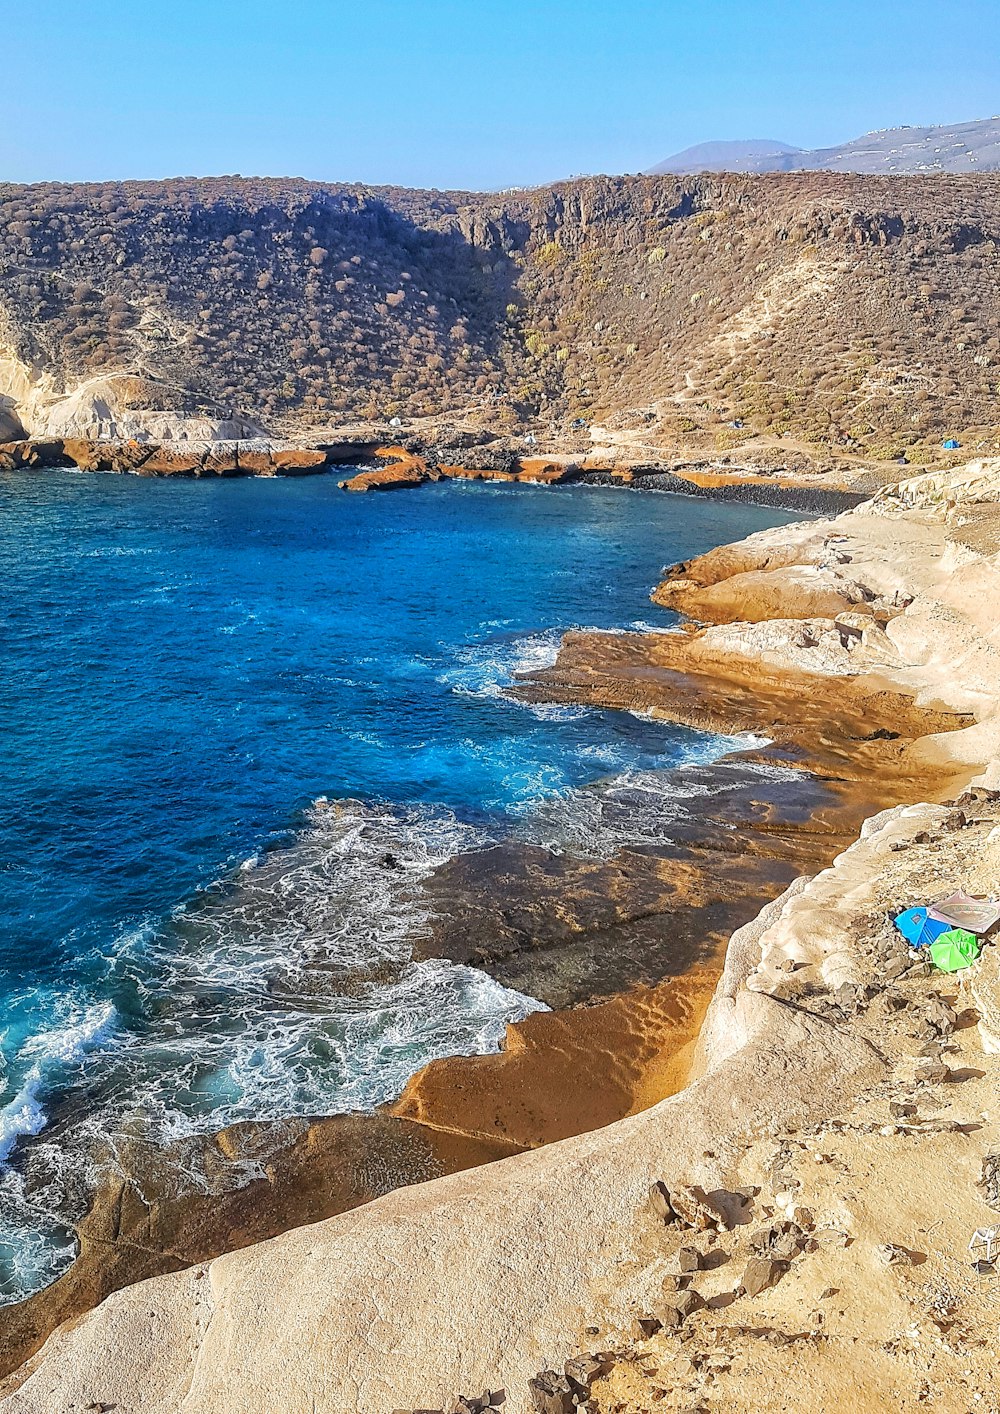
point(856, 313)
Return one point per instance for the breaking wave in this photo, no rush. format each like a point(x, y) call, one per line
point(488, 667)
point(634, 808)
point(45, 1059)
point(287, 989)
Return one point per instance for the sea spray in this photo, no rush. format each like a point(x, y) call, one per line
point(285, 989)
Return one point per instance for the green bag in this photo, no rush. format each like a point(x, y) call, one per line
point(954, 950)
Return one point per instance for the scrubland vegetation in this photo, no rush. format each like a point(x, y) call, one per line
point(848, 311)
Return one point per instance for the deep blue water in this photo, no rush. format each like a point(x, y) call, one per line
point(187, 667)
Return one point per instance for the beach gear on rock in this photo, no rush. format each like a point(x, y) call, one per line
point(919, 928)
point(986, 1243)
point(961, 910)
point(954, 950)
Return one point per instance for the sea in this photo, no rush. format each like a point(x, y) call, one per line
point(240, 722)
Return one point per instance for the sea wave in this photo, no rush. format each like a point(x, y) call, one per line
point(117, 552)
point(290, 988)
point(287, 989)
point(43, 1060)
point(486, 668)
point(642, 808)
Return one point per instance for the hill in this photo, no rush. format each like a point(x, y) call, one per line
point(956, 147)
point(850, 312)
point(743, 155)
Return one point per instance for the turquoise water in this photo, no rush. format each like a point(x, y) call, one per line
point(240, 721)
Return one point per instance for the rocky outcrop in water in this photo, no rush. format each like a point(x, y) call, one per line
point(404, 469)
point(256, 458)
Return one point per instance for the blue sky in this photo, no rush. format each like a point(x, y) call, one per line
point(468, 93)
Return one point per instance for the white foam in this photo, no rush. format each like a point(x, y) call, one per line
point(20, 1116)
point(35, 1247)
point(488, 668)
point(556, 711)
point(290, 990)
point(637, 808)
point(55, 1050)
point(116, 552)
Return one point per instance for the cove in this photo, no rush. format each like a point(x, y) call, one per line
point(189, 938)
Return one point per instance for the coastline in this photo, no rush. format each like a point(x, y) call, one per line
point(915, 759)
point(379, 462)
point(614, 1045)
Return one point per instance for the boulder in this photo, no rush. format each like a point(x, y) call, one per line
point(298, 461)
point(10, 424)
point(585, 1369)
point(940, 1017)
point(761, 1273)
point(689, 1259)
point(706, 1212)
point(674, 1310)
point(659, 1199)
point(781, 1240)
point(396, 477)
point(551, 1394)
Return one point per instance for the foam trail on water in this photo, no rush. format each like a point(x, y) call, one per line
point(286, 990)
point(290, 990)
point(636, 808)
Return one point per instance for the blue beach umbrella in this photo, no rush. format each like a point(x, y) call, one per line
point(919, 928)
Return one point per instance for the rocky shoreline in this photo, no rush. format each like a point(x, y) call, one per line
point(625, 947)
point(853, 690)
point(378, 462)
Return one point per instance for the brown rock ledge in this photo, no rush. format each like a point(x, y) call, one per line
point(841, 728)
point(405, 469)
point(164, 459)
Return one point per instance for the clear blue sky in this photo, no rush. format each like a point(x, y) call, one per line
point(467, 93)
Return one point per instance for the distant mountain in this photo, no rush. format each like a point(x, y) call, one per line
point(958, 147)
point(749, 155)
